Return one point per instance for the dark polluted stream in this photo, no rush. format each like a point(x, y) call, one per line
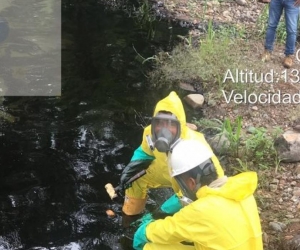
point(57, 153)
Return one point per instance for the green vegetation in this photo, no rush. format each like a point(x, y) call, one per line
point(205, 59)
point(207, 62)
point(145, 17)
point(253, 150)
point(260, 148)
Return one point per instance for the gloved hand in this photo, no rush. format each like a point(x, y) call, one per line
point(171, 205)
point(144, 219)
point(140, 239)
point(132, 169)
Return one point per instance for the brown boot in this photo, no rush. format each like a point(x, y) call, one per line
point(133, 206)
point(266, 56)
point(288, 61)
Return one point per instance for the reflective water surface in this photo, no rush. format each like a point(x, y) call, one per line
point(30, 41)
point(57, 153)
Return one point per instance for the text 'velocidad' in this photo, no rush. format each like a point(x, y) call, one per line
point(261, 98)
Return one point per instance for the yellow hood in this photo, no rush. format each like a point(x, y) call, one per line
point(173, 104)
point(236, 188)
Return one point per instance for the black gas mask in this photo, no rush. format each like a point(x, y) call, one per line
point(165, 130)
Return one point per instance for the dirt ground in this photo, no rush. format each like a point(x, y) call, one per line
point(279, 207)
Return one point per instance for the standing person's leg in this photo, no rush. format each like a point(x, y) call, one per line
point(275, 11)
point(291, 21)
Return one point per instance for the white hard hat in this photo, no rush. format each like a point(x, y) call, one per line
point(186, 155)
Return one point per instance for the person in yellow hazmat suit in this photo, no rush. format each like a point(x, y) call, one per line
point(221, 213)
point(168, 126)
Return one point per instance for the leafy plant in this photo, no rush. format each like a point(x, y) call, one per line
point(226, 134)
point(254, 150)
point(232, 131)
point(258, 145)
point(260, 148)
point(146, 18)
point(211, 126)
point(243, 166)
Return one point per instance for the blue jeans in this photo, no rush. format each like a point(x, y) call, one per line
point(291, 21)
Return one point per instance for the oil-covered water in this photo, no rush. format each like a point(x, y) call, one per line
point(57, 153)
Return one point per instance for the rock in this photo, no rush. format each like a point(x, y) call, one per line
point(228, 18)
point(195, 100)
point(192, 126)
point(295, 242)
point(251, 129)
point(296, 192)
point(288, 146)
point(226, 13)
point(211, 102)
point(277, 226)
point(187, 86)
point(273, 187)
point(241, 2)
point(219, 143)
point(160, 4)
point(266, 238)
point(297, 169)
point(215, 3)
point(110, 213)
point(297, 128)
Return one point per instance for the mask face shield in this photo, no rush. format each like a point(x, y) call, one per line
point(165, 130)
point(204, 169)
point(188, 195)
point(185, 201)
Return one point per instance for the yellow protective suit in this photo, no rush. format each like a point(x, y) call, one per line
point(224, 218)
point(157, 175)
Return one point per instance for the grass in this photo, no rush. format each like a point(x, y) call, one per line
point(221, 48)
point(146, 18)
point(253, 150)
point(215, 54)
